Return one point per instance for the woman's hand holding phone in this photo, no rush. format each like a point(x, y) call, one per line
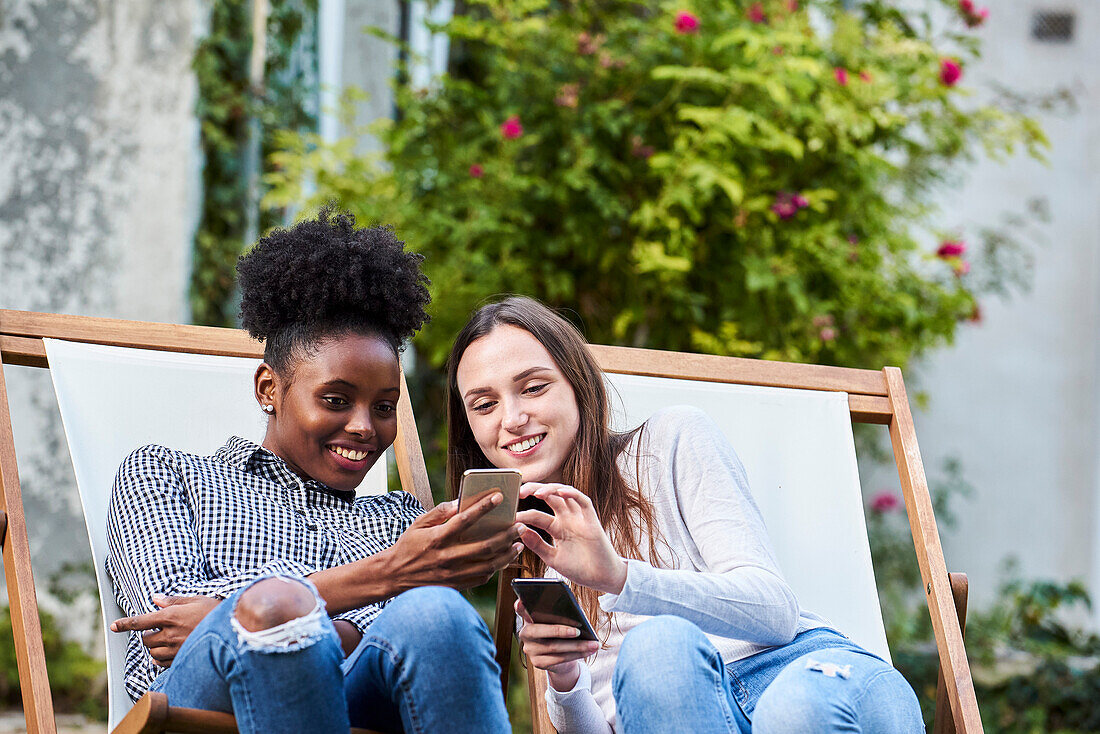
point(554, 648)
point(432, 551)
point(581, 550)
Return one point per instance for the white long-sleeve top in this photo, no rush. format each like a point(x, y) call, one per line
point(716, 565)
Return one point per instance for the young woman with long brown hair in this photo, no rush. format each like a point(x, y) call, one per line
point(658, 534)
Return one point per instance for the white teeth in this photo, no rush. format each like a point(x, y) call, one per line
point(348, 453)
point(524, 445)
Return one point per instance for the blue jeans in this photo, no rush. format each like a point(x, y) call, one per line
point(669, 677)
point(425, 665)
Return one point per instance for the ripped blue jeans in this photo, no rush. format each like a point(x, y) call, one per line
point(425, 665)
point(669, 677)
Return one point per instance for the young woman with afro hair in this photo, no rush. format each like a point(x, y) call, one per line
point(256, 582)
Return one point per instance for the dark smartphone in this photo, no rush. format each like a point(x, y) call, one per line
point(550, 601)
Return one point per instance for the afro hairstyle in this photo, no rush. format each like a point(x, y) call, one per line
point(324, 277)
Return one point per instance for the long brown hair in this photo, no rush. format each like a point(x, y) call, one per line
point(591, 465)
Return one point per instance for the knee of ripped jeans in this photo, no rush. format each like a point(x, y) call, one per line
point(294, 634)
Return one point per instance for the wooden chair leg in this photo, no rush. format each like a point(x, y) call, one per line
point(504, 626)
point(944, 722)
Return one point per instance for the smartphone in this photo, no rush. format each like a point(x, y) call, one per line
point(551, 601)
point(476, 483)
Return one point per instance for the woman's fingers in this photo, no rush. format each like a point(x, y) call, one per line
point(535, 518)
point(536, 544)
point(535, 631)
point(522, 612)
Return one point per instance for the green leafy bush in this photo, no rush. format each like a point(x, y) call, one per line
point(756, 182)
point(77, 680)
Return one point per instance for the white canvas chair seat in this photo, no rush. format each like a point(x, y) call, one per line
point(800, 458)
point(114, 399)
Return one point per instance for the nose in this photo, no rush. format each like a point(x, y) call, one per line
point(514, 416)
point(360, 423)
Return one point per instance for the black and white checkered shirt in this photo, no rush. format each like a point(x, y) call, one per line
point(184, 525)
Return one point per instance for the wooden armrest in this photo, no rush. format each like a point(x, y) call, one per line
point(152, 714)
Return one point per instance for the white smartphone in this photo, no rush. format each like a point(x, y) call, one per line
point(477, 483)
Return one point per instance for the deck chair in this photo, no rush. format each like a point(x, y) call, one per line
point(103, 369)
point(792, 427)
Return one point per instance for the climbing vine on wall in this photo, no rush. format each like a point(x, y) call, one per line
point(225, 107)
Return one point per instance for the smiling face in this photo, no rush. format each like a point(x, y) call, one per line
point(520, 407)
point(337, 412)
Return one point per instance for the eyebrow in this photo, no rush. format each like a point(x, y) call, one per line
point(344, 383)
point(473, 392)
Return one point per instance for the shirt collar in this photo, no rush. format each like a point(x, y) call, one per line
point(255, 459)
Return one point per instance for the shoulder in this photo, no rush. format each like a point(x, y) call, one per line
point(396, 503)
point(149, 456)
point(671, 425)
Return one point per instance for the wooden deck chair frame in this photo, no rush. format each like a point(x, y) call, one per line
point(21, 335)
point(873, 397)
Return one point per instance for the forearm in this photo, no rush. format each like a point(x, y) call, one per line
point(357, 584)
point(747, 603)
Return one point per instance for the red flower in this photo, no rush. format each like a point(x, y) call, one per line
point(511, 128)
point(841, 75)
point(951, 248)
point(792, 6)
point(477, 171)
point(950, 72)
point(686, 23)
point(865, 76)
point(756, 13)
point(967, 6)
point(884, 502)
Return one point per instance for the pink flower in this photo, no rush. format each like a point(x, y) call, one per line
point(605, 60)
point(853, 239)
point(961, 268)
point(568, 96)
point(828, 333)
point(639, 149)
point(841, 75)
point(972, 15)
point(885, 501)
point(756, 13)
point(511, 128)
point(950, 72)
point(786, 204)
point(865, 76)
point(476, 171)
point(792, 6)
point(951, 248)
point(586, 44)
point(686, 23)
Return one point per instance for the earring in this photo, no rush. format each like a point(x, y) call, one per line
point(269, 408)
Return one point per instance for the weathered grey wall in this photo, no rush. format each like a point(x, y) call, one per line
point(1017, 399)
point(98, 172)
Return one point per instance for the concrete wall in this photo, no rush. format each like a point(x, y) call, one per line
point(98, 187)
point(1018, 398)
